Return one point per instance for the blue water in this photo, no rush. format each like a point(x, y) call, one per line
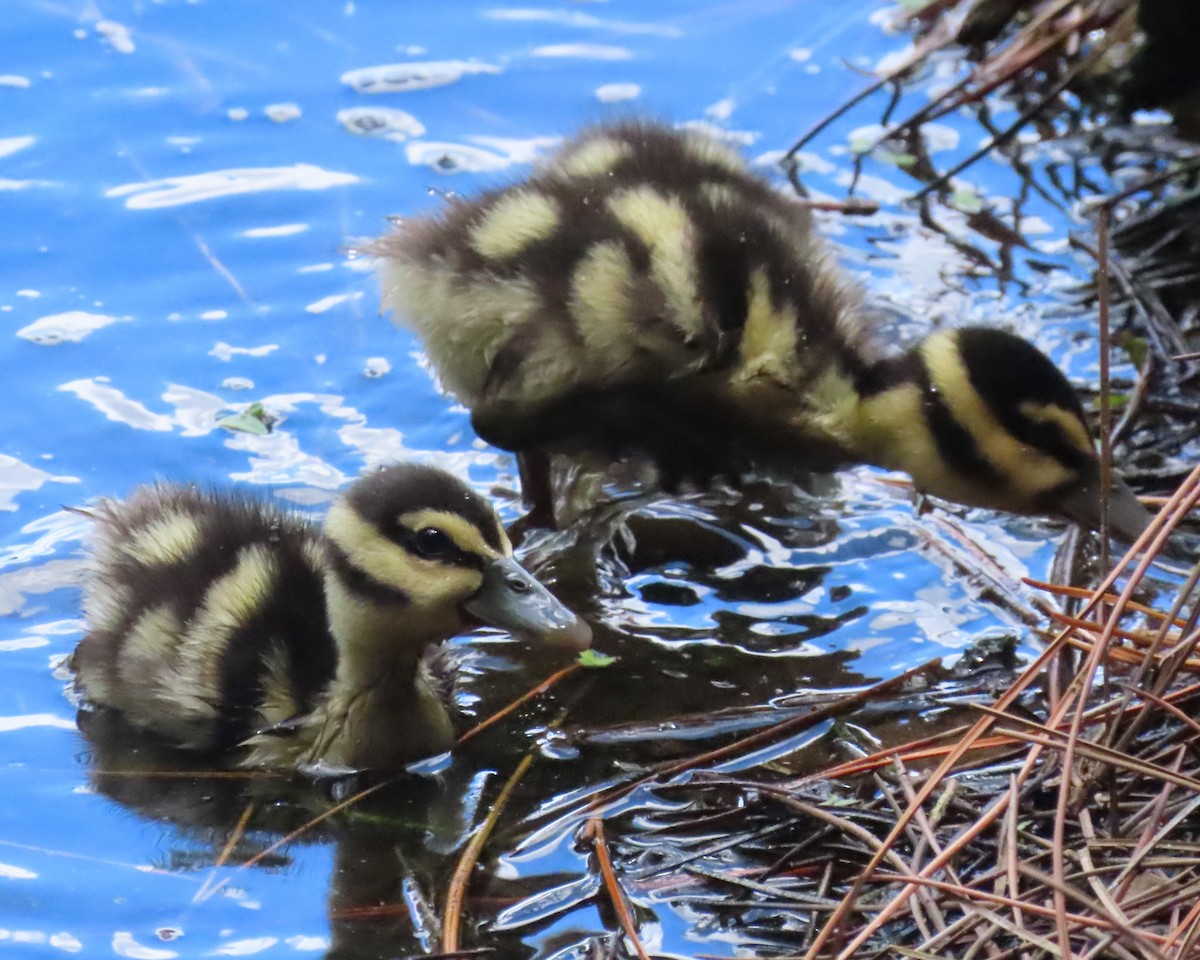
point(178, 198)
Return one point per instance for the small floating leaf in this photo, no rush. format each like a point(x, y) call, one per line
point(591, 658)
point(899, 159)
point(254, 419)
point(966, 200)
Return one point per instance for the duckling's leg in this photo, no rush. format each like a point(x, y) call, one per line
point(533, 467)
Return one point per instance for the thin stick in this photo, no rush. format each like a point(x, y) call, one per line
point(1105, 390)
point(239, 830)
point(594, 833)
point(740, 747)
point(519, 702)
point(457, 890)
point(301, 830)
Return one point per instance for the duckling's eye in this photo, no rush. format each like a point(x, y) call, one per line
point(431, 542)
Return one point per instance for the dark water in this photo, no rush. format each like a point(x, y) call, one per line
point(179, 182)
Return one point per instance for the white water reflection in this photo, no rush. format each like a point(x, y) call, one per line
point(16, 477)
point(178, 191)
point(385, 122)
point(405, 77)
point(69, 327)
point(494, 153)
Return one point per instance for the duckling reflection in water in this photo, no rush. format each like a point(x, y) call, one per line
point(225, 624)
point(645, 294)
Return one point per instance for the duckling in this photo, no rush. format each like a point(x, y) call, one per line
point(645, 293)
point(225, 624)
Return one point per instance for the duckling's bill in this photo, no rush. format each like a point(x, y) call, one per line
point(1127, 518)
point(511, 599)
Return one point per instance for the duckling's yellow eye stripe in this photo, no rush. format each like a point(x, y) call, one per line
point(370, 552)
point(466, 536)
point(662, 224)
point(516, 220)
point(1024, 467)
point(594, 158)
point(170, 539)
point(1066, 421)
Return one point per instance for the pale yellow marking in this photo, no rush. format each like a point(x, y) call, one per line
point(106, 604)
point(463, 321)
point(889, 430)
point(151, 641)
point(1074, 429)
point(1026, 470)
point(600, 300)
point(397, 718)
point(146, 665)
point(229, 603)
point(719, 195)
point(96, 688)
point(663, 225)
point(515, 221)
point(428, 583)
point(314, 556)
point(172, 538)
point(768, 347)
point(278, 701)
point(594, 158)
point(377, 640)
point(707, 150)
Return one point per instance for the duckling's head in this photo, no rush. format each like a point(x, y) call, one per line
point(982, 417)
point(414, 556)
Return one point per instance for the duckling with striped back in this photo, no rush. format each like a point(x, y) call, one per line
point(226, 625)
point(645, 293)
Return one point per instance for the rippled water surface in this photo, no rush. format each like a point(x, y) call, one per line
point(180, 183)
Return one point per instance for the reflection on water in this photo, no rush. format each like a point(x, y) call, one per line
point(383, 848)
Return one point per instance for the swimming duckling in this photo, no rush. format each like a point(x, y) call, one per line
point(645, 293)
point(224, 623)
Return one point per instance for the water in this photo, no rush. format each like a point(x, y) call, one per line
point(180, 184)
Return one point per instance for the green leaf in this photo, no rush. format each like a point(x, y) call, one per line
point(590, 658)
point(254, 419)
point(899, 159)
point(1136, 347)
point(966, 200)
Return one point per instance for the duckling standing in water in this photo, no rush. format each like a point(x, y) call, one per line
point(224, 623)
point(644, 293)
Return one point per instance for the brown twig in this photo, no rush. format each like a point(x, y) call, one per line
point(457, 891)
point(1014, 128)
point(594, 834)
point(519, 702)
point(235, 835)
